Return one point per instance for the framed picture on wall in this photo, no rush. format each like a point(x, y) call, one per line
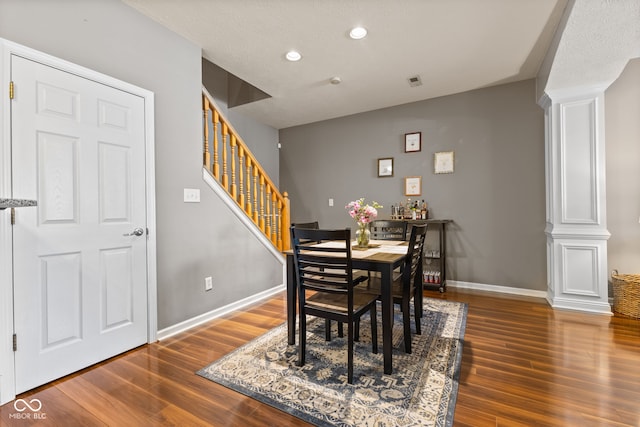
point(413, 186)
point(412, 142)
point(443, 162)
point(385, 167)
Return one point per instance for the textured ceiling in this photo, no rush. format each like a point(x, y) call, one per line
point(598, 39)
point(453, 45)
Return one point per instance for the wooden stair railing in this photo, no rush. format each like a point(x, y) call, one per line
point(242, 176)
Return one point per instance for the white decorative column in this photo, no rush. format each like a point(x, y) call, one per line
point(576, 201)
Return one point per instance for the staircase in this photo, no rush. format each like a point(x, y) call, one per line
point(230, 162)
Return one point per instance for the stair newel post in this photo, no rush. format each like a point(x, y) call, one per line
point(256, 189)
point(262, 190)
point(234, 187)
point(241, 175)
point(225, 174)
point(216, 160)
point(206, 158)
point(285, 220)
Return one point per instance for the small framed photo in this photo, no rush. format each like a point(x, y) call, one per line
point(412, 142)
point(413, 186)
point(443, 162)
point(385, 167)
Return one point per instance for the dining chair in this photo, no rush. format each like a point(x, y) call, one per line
point(407, 284)
point(327, 287)
point(314, 225)
point(388, 230)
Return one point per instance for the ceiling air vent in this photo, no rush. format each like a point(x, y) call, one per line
point(415, 81)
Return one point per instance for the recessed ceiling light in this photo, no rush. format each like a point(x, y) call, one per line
point(358, 33)
point(293, 56)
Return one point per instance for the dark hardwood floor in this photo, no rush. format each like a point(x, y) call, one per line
point(524, 364)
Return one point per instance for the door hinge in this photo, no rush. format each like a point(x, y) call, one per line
point(13, 216)
point(15, 342)
point(10, 90)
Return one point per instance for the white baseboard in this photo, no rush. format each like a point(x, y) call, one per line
point(496, 288)
point(205, 317)
point(592, 307)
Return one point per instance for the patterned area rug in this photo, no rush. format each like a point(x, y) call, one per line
point(421, 391)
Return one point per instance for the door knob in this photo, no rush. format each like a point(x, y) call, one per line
point(136, 232)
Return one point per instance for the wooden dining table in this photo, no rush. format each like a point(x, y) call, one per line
point(383, 256)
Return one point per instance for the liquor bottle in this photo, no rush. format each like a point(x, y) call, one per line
point(423, 211)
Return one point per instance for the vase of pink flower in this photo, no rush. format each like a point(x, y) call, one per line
point(363, 214)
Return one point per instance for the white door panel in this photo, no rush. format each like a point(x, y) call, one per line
point(78, 148)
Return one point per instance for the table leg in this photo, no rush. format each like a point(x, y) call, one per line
point(291, 301)
point(443, 257)
point(387, 318)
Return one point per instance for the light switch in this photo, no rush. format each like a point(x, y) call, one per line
point(330, 202)
point(191, 195)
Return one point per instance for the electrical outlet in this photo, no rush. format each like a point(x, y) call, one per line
point(330, 202)
point(208, 283)
point(191, 195)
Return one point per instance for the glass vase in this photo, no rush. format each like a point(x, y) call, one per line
point(363, 235)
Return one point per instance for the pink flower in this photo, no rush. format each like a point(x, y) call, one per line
point(363, 214)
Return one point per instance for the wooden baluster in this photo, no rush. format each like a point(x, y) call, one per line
point(206, 158)
point(241, 175)
point(274, 218)
point(256, 190)
point(280, 231)
point(234, 187)
point(267, 230)
point(216, 160)
point(285, 220)
point(248, 209)
point(262, 190)
point(225, 175)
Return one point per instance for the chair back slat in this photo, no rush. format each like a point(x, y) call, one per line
point(314, 225)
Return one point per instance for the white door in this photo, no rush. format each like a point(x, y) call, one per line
point(78, 148)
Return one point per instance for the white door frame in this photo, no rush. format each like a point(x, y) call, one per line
point(8, 48)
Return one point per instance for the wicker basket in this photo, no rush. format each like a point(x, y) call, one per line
point(626, 294)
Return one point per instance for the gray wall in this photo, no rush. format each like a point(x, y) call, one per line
point(496, 195)
point(622, 136)
point(194, 240)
